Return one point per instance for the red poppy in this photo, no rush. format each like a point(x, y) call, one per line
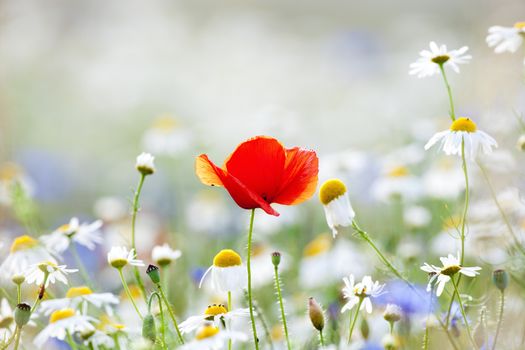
point(261, 171)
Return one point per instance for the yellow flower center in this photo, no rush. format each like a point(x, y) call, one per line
point(463, 124)
point(277, 333)
point(61, 314)
point(165, 124)
point(330, 190)
point(9, 171)
point(44, 265)
point(519, 25)
point(206, 332)
point(78, 291)
point(440, 59)
point(22, 243)
point(227, 258)
point(450, 270)
point(361, 293)
point(215, 309)
point(319, 245)
point(398, 171)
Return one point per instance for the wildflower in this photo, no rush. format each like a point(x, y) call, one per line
point(316, 314)
point(393, 313)
point(506, 38)
point(443, 274)
point(25, 251)
point(11, 175)
point(79, 297)
point(431, 61)
point(87, 235)
point(210, 337)
point(336, 204)
point(261, 171)
point(47, 272)
point(118, 257)
point(397, 181)
point(145, 164)
point(164, 255)
point(7, 316)
point(22, 314)
point(216, 313)
point(166, 137)
point(227, 272)
point(463, 133)
point(500, 278)
point(360, 293)
point(62, 322)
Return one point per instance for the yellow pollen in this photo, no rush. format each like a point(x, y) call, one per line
point(463, 124)
point(206, 332)
point(118, 326)
point(135, 292)
point(215, 309)
point(440, 59)
point(398, 171)
point(519, 25)
point(165, 123)
point(61, 314)
point(64, 228)
point(319, 245)
point(9, 171)
point(227, 258)
point(362, 294)
point(78, 291)
point(22, 243)
point(330, 190)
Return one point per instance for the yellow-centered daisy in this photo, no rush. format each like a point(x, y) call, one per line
point(336, 204)
point(227, 272)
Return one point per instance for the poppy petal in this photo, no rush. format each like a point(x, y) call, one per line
point(206, 171)
point(300, 176)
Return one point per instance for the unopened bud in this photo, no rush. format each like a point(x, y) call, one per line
point(393, 313)
point(148, 328)
point(364, 328)
point(22, 314)
point(500, 279)
point(153, 273)
point(276, 258)
point(18, 279)
point(316, 314)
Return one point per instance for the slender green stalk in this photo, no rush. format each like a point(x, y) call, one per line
point(170, 312)
point(124, 283)
point(40, 294)
point(321, 339)
point(462, 309)
point(159, 300)
point(425, 337)
point(352, 324)
point(248, 267)
point(449, 92)
point(230, 307)
point(80, 264)
point(18, 294)
point(465, 208)
point(283, 315)
point(262, 321)
point(70, 341)
point(133, 221)
point(500, 319)
point(18, 332)
point(115, 339)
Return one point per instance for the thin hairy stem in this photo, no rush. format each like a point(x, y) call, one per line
point(500, 319)
point(248, 267)
point(449, 92)
point(133, 221)
point(170, 312)
point(283, 315)
point(463, 313)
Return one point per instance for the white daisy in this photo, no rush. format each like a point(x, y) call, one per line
point(145, 163)
point(336, 204)
point(11, 175)
point(37, 273)
point(443, 274)
point(87, 235)
point(397, 181)
point(7, 319)
point(210, 337)
point(118, 257)
point(430, 61)
point(163, 255)
point(216, 313)
point(166, 137)
point(463, 131)
point(227, 272)
point(95, 338)
point(506, 38)
point(361, 291)
point(81, 296)
point(62, 322)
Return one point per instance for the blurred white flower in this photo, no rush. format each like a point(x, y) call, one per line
point(78, 297)
point(430, 61)
point(397, 181)
point(10, 175)
point(216, 313)
point(212, 338)
point(118, 257)
point(336, 204)
point(7, 320)
point(163, 255)
point(417, 216)
point(87, 235)
point(227, 272)
point(444, 179)
point(360, 292)
point(506, 38)
point(62, 322)
point(145, 163)
point(166, 137)
point(110, 209)
point(37, 273)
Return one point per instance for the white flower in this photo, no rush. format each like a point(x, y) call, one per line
point(336, 204)
point(166, 137)
point(62, 322)
point(463, 131)
point(7, 319)
point(393, 313)
point(37, 273)
point(145, 163)
point(397, 181)
point(163, 255)
point(210, 337)
point(87, 235)
point(506, 38)
point(80, 296)
point(218, 314)
point(227, 272)
point(361, 291)
point(430, 61)
point(443, 274)
point(118, 257)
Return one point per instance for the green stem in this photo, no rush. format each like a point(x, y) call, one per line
point(462, 309)
point(449, 92)
point(500, 319)
point(133, 221)
point(18, 294)
point(248, 267)
point(321, 339)
point(70, 341)
point(263, 322)
point(159, 300)
point(18, 332)
point(465, 208)
point(352, 324)
point(115, 339)
point(170, 312)
point(80, 264)
point(283, 315)
point(40, 294)
point(124, 283)
point(230, 307)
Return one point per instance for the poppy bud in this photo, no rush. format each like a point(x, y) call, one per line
point(153, 273)
point(148, 327)
point(500, 279)
point(316, 314)
point(22, 314)
point(364, 328)
point(276, 258)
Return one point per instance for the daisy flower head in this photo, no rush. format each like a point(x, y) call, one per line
point(451, 266)
point(145, 163)
point(227, 272)
point(506, 39)
point(80, 296)
point(163, 255)
point(118, 257)
point(336, 204)
point(47, 271)
point(210, 337)
point(216, 313)
point(87, 235)
point(167, 136)
point(361, 292)
point(463, 134)
point(432, 61)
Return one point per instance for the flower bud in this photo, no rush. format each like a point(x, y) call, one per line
point(316, 314)
point(18, 279)
point(276, 258)
point(500, 279)
point(22, 314)
point(148, 327)
point(364, 328)
point(390, 342)
point(153, 273)
point(145, 164)
point(393, 313)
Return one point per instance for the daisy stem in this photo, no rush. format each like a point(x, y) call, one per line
point(321, 339)
point(229, 309)
point(500, 319)
point(124, 283)
point(462, 309)
point(465, 208)
point(40, 293)
point(449, 91)
point(70, 341)
point(352, 324)
point(18, 294)
point(80, 264)
point(170, 312)
point(133, 221)
point(248, 267)
point(283, 315)
point(115, 339)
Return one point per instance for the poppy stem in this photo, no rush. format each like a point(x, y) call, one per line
point(170, 312)
point(248, 267)
point(500, 319)
point(283, 315)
